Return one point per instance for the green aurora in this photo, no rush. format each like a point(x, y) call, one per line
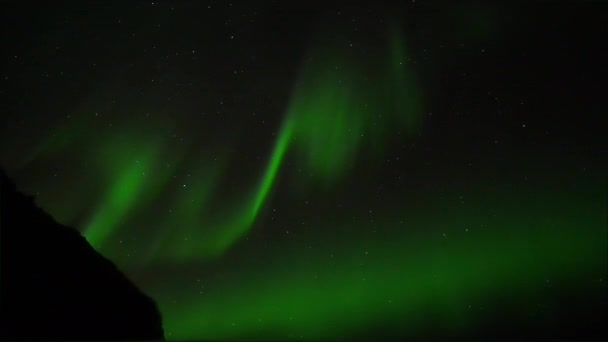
point(332, 117)
point(443, 255)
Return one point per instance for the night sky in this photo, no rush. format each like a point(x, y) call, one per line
point(320, 170)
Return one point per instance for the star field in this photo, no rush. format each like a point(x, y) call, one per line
point(291, 171)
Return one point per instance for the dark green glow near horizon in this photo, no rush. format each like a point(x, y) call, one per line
point(408, 277)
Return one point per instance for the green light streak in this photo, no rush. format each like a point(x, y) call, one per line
point(136, 169)
point(271, 172)
point(406, 94)
point(121, 198)
point(242, 222)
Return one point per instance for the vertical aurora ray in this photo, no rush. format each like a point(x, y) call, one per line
point(210, 236)
point(121, 198)
point(347, 103)
point(272, 170)
point(134, 164)
point(241, 223)
point(406, 96)
point(329, 121)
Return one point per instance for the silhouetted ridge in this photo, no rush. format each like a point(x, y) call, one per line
point(55, 286)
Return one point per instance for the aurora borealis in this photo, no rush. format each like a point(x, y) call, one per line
point(269, 171)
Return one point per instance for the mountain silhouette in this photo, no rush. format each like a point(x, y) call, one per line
point(55, 286)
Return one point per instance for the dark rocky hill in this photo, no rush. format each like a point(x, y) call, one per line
point(55, 286)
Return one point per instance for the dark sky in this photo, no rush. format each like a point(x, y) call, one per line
point(320, 170)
